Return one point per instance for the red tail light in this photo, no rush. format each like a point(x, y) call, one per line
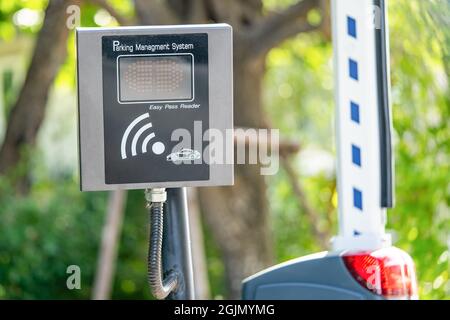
point(388, 272)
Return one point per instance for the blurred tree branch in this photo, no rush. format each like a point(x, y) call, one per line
point(311, 214)
point(288, 149)
point(120, 18)
point(285, 147)
point(154, 12)
point(279, 26)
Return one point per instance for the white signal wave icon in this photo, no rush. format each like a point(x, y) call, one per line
point(157, 148)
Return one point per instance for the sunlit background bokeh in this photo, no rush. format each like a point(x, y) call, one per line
point(56, 225)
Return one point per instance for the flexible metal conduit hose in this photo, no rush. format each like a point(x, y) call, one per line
point(159, 287)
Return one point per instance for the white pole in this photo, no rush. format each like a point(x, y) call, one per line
point(361, 176)
point(107, 258)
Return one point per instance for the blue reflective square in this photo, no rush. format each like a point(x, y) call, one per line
point(356, 155)
point(357, 199)
point(354, 111)
point(353, 69)
point(351, 27)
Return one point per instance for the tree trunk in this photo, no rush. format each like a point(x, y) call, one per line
point(238, 216)
point(28, 113)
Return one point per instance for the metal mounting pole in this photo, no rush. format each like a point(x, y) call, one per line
point(176, 250)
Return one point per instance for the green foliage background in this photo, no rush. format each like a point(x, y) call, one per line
point(56, 225)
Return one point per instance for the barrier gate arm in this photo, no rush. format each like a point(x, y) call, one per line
point(363, 123)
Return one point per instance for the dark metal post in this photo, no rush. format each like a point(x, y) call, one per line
point(176, 250)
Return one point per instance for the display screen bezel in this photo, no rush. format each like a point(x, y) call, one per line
point(168, 100)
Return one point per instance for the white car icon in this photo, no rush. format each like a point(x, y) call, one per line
point(183, 155)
